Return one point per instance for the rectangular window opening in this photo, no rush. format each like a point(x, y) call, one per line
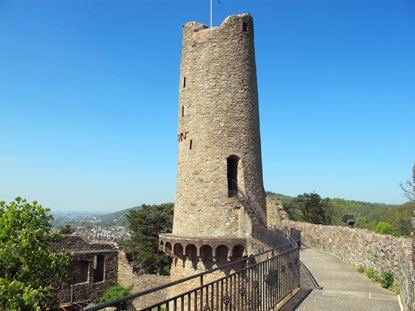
point(191, 144)
point(182, 111)
point(184, 82)
point(78, 272)
point(99, 268)
point(245, 26)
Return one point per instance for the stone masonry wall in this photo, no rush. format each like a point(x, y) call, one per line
point(85, 264)
point(275, 212)
point(218, 117)
point(72, 243)
point(361, 247)
point(141, 282)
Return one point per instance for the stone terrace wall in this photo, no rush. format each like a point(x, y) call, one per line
point(141, 282)
point(361, 247)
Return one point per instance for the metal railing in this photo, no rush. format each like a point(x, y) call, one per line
point(252, 204)
point(246, 284)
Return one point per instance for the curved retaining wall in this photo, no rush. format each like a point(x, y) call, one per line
point(361, 247)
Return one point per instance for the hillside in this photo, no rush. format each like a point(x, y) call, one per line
point(367, 214)
point(117, 218)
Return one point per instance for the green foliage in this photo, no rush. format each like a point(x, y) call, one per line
point(115, 292)
point(66, 230)
point(383, 228)
point(313, 209)
point(118, 218)
point(367, 215)
point(360, 269)
point(387, 280)
point(371, 274)
point(31, 271)
point(400, 218)
point(146, 224)
point(397, 289)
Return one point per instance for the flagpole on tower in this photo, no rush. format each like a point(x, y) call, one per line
point(211, 13)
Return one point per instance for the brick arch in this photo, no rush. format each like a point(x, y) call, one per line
point(191, 251)
point(206, 253)
point(178, 250)
point(168, 248)
point(237, 251)
point(221, 253)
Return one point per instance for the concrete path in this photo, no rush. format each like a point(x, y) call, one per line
point(342, 287)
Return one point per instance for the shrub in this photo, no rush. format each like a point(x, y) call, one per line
point(117, 291)
point(383, 228)
point(387, 280)
point(360, 269)
point(371, 274)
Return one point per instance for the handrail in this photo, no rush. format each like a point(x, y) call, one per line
point(254, 206)
point(199, 275)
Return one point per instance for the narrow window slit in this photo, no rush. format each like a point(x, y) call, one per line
point(184, 82)
point(182, 111)
point(245, 26)
point(191, 144)
point(232, 172)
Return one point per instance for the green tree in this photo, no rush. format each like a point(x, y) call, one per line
point(31, 271)
point(147, 223)
point(67, 229)
point(400, 218)
point(409, 187)
point(383, 228)
point(314, 209)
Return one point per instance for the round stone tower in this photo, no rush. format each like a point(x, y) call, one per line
point(219, 175)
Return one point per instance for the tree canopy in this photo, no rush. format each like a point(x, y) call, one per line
point(310, 207)
point(31, 271)
point(146, 224)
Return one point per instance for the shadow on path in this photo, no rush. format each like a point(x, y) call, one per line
point(339, 288)
point(307, 284)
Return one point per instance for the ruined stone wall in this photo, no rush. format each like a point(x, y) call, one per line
point(275, 212)
point(90, 290)
point(141, 282)
point(362, 247)
point(94, 267)
point(218, 117)
point(72, 243)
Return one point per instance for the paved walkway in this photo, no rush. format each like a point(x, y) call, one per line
point(341, 287)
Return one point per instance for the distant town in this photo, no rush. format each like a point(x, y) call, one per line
point(93, 227)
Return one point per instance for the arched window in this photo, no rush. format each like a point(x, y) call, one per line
point(232, 175)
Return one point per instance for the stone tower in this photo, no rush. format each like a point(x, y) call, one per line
point(219, 173)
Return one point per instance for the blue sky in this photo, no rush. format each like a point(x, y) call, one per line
point(89, 97)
